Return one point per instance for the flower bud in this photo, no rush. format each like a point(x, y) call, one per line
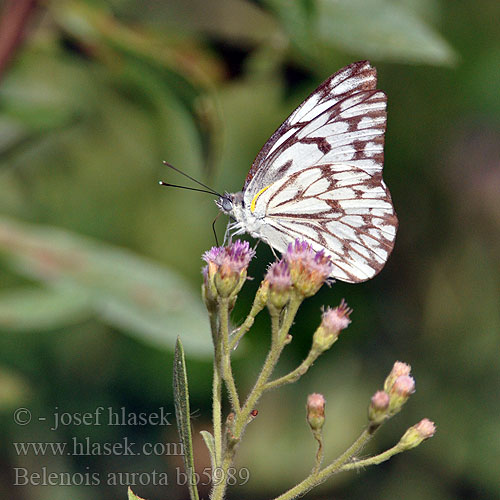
point(379, 406)
point(226, 271)
point(308, 269)
point(315, 411)
point(280, 284)
point(401, 390)
point(418, 433)
point(333, 322)
point(398, 370)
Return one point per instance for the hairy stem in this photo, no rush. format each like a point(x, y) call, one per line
point(294, 375)
point(257, 307)
point(319, 453)
point(377, 459)
point(216, 392)
point(227, 372)
point(242, 419)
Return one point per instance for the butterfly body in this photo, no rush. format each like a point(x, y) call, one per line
point(319, 178)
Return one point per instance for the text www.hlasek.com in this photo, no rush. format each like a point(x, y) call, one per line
point(86, 447)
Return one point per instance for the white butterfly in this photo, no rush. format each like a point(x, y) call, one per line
point(319, 178)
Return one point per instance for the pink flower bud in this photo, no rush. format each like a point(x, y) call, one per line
point(315, 411)
point(417, 433)
point(426, 428)
point(337, 319)
point(333, 322)
point(380, 400)
point(401, 390)
point(399, 369)
point(404, 386)
point(378, 409)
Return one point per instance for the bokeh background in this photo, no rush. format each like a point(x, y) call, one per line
point(100, 266)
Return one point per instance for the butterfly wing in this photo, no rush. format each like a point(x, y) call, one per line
point(342, 120)
point(322, 170)
point(340, 209)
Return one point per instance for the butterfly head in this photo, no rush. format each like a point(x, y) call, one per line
point(229, 201)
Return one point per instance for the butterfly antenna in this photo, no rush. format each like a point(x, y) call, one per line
point(161, 183)
point(210, 190)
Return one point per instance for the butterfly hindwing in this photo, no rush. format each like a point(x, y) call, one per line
point(338, 208)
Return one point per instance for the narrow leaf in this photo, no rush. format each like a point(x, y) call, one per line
point(210, 443)
point(181, 399)
point(132, 495)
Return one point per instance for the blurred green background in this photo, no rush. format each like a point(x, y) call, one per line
point(100, 267)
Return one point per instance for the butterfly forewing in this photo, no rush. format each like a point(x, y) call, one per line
point(322, 120)
point(319, 177)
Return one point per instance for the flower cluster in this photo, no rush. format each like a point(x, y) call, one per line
point(299, 274)
point(398, 387)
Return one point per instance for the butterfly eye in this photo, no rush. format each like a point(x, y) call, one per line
point(225, 204)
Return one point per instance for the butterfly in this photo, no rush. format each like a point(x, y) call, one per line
point(319, 178)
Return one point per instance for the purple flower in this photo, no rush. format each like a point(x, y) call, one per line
point(232, 259)
point(279, 284)
point(278, 276)
point(227, 266)
point(309, 269)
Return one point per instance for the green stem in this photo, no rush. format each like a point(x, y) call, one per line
point(290, 313)
point(257, 307)
point(242, 419)
point(377, 459)
point(216, 391)
point(217, 410)
point(319, 454)
point(318, 477)
point(267, 370)
point(294, 375)
point(227, 372)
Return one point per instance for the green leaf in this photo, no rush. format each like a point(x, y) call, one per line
point(39, 309)
point(132, 495)
point(182, 414)
point(209, 441)
point(124, 289)
point(381, 29)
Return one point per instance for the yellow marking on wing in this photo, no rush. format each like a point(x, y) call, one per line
point(254, 201)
